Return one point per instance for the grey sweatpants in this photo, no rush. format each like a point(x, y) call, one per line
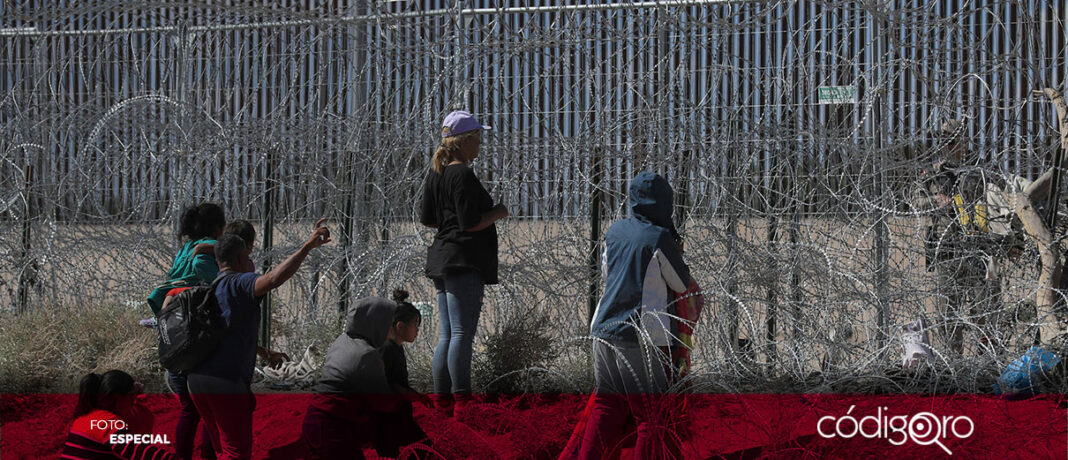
point(630, 383)
point(627, 367)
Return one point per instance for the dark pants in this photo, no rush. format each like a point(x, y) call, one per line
point(330, 437)
point(397, 430)
point(226, 407)
point(188, 419)
point(972, 300)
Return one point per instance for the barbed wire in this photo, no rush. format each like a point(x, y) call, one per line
point(800, 217)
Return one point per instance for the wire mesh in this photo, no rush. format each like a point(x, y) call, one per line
point(799, 218)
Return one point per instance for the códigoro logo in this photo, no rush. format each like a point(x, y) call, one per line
point(923, 428)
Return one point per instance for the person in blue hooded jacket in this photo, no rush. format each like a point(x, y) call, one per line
point(642, 264)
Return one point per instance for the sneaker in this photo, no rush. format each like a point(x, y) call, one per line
point(148, 322)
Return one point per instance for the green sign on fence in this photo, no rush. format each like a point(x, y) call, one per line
point(837, 94)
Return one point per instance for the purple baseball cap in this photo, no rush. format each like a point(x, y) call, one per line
point(459, 122)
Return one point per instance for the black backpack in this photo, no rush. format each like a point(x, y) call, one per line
point(190, 328)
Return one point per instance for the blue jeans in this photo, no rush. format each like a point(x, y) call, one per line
point(459, 306)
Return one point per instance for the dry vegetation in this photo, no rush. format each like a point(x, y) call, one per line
point(43, 351)
point(533, 323)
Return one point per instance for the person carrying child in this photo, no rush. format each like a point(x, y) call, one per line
point(195, 263)
point(220, 386)
point(189, 418)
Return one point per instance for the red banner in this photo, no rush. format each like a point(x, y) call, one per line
point(710, 426)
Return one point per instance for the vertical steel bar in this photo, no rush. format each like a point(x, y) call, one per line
point(594, 262)
point(28, 265)
point(270, 186)
point(878, 132)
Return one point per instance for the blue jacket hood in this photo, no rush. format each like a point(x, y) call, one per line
point(630, 245)
point(652, 200)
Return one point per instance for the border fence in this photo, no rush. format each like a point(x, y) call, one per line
point(796, 210)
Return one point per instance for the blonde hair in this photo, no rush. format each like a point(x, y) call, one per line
point(448, 149)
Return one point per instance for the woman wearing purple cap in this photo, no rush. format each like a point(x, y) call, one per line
point(463, 257)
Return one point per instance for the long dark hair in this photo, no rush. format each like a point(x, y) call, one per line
point(98, 391)
point(201, 221)
point(405, 311)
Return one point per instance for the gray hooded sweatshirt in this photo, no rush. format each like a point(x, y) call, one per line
point(353, 365)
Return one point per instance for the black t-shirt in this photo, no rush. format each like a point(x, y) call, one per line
point(396, 364)
point(455, 200)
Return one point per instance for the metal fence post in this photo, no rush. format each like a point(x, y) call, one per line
point(357, 35)
point(269, 186)
point(348, 223)
point(882, 230)
point(771, 321)
point(28, 271)
point(594, 262)
point(796, 294)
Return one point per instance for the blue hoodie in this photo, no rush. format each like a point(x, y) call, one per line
point(632, 246)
